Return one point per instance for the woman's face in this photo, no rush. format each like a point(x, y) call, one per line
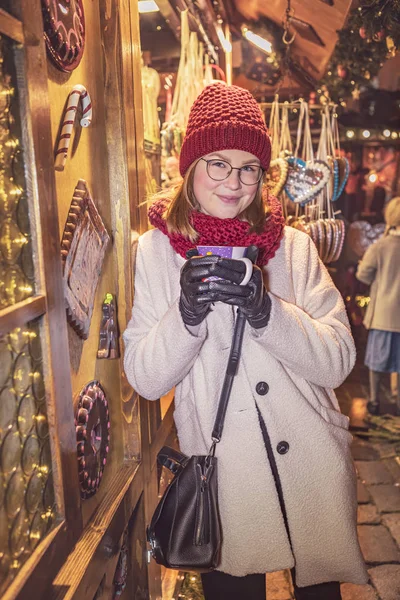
point(227, 198)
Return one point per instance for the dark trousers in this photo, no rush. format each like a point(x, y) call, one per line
point(221, 586)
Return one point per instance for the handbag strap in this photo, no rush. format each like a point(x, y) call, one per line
point(231, 371)
point(232, 367)
point(171, 459)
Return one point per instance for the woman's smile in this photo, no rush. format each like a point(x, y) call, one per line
point(228, 199)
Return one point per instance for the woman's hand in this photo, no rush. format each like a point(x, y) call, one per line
point(198, 292)
point(251, 298)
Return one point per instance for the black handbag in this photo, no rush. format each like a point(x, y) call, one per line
point(185, 531)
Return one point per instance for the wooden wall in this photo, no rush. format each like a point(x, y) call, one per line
point(88, 159)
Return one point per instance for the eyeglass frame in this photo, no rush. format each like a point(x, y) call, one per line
point(262, 171)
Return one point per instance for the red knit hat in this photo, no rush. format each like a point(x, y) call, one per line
point(225, 118)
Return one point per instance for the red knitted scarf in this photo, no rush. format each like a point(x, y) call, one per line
point(224, 232)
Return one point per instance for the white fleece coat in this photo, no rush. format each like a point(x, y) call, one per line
point(305, 351)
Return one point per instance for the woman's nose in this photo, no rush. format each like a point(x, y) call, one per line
point(233, 180)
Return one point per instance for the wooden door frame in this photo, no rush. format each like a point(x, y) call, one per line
point(123, 99)
point(59, 552)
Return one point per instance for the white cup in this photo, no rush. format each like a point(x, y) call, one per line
point(236, 252)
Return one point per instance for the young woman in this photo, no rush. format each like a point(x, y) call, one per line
point(287, 486)
point(379, 268)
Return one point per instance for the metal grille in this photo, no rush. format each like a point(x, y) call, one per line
point(27, 505)
point(16, 265)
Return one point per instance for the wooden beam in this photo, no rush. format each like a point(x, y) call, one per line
point(37, 564)
point(205, 35)
point(171, 18)
point(11, 27)
point(19, 314)
point(82, 572)
point(150, 494)
point(162, 435)
point(30, 63)
point(208, 36)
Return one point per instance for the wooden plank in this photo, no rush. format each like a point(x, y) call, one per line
point(11, 27)
point(30, 62)
point(21, 587)
point(19, 314)
point(171, 18)
point(162, 435)
point(119, 109)
point(134, 127)
point(150, 496)
point(82, 572)
point(137, 580)
point(41, 190)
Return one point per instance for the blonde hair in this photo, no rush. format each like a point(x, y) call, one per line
point(183, 202)
point(392, 213)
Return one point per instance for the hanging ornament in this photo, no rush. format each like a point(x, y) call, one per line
point(341, 170)
point(64, 32)
point(367, 75)
point(342, 72)
point(379, 35)
point(306, 179)
point(277, 176)
point(390, 46)
point(355, 94)
point(363, 32)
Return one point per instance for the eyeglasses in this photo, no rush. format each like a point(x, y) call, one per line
point(218, 170)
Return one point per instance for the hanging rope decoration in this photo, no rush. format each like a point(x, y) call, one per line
point(287, 42)
point(278, 169)
point(286, 25)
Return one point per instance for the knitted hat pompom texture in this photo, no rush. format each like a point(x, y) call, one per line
point(225, 118)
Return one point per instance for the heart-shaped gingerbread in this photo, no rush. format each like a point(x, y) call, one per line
point(341, 170)
point(362, 234)
point(306, 179)
point(277, 176)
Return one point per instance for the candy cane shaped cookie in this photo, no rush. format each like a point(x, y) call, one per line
point(78, 92)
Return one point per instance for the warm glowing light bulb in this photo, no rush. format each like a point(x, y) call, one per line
point(258, 41)
point(366, 133)
point(147, 6)
point(350, 134)
point(226, 45)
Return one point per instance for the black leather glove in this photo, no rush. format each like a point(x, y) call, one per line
point(198, 292)
point(257, 306)
point(252, 298)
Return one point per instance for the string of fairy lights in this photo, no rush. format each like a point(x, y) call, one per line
point(16, 269)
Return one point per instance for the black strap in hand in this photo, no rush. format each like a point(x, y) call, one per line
point(231, 371)
point(233, 363)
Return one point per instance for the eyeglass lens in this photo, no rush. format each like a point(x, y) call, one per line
point(220, 170)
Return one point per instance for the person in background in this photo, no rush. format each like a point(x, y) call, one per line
point(286, 480)
point(377, 205)
point(380, 268)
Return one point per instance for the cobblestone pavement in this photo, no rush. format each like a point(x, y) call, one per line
point(378, 469)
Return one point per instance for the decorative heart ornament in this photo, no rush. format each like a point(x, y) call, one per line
point(341, 170)
point(277, 176)
point(362, 234)
point(306, 180)
point(335, 234)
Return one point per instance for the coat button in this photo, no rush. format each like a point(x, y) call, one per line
point(282, 447)
point(262, 388)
